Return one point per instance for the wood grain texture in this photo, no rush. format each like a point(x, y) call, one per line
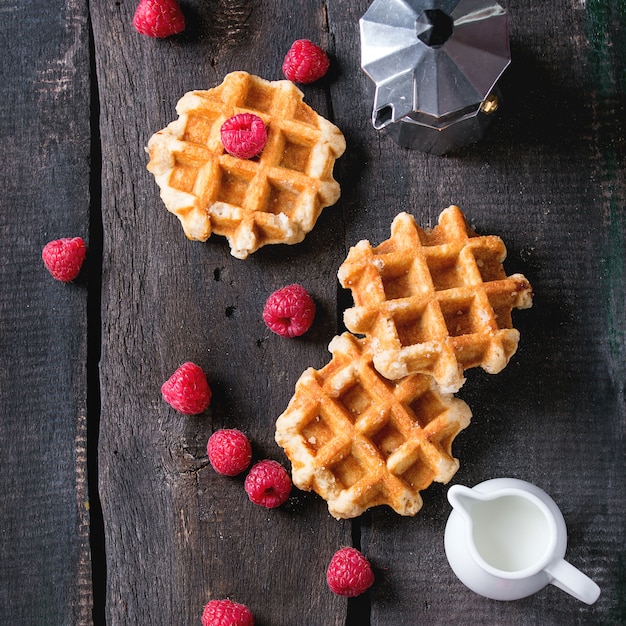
point(44, 523)
point(176, 533)
point(547, 179)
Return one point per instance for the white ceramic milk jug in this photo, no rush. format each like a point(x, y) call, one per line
point(505, 539)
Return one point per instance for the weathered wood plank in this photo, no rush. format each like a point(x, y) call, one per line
point(45, 575)
point(549, 180)
point(177, 534)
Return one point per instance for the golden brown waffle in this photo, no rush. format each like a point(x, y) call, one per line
point(274, 198)
point(360, 440)
point(434, 301)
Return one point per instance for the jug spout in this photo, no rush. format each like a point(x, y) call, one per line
point(393, 100)
point(463, 499)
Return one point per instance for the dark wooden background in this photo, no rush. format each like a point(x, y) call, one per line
point(109, 512)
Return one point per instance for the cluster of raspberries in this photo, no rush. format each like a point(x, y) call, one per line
point(304, 63)
point(349, 574)
point(288, 312)
point(243, 135)
point(267, 484)
point(230, 453)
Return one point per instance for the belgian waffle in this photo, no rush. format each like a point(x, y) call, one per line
point(434, 301)
point(274, 198)
point(360, 440)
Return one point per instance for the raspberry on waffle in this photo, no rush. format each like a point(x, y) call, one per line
point(274, 198)
point(434, 301)
point(360, 440)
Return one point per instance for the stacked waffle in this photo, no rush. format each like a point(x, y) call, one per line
point(376, 424)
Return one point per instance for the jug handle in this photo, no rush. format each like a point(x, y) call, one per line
point(571, 580)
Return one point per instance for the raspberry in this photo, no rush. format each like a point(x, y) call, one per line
point(226, 613)
point(229, 451)
point(305, 62)
point(289, 312)
point(187, 390)
point(268, 484)
point(158, 18)
point(349, 573)
point(243, 135)
point(64, 257)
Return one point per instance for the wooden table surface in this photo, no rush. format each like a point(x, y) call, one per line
point(109, 511)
